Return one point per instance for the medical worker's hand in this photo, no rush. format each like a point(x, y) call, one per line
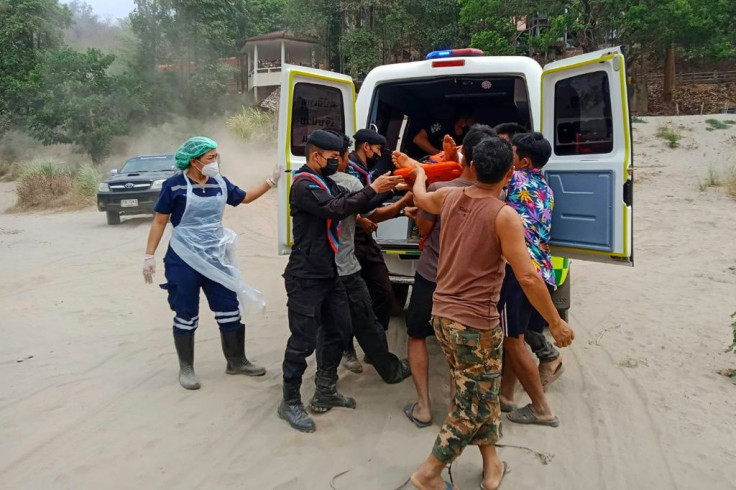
point(273, 180)
point(149, 268)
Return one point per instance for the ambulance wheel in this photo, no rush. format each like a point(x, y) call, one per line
point(398, 298)
point(113, 218)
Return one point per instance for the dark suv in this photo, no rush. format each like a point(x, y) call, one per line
point(134, 189)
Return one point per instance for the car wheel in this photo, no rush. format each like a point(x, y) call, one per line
point(398, 298)
point(113, 218)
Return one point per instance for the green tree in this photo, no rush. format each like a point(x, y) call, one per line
point(361, 48)
point(79, 103)
point(27, 29)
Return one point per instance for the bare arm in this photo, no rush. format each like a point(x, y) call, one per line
point(253, 194)
point(430, 202)
point(157, 231)
point(391, 210)
point(422, 141)
point(510, 232)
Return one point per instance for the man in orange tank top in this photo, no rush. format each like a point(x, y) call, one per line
point(479, 234)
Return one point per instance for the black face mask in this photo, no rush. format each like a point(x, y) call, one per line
point(331, 167)
point(373, 161)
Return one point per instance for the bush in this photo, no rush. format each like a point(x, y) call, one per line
point(254, 124)
point(8, 170)
point(45, 185)
point(669, 134)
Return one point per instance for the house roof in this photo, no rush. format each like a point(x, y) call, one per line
point(285, 34)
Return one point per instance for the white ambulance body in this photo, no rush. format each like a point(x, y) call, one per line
point(580, 104)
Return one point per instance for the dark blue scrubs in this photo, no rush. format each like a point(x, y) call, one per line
point(183, 282)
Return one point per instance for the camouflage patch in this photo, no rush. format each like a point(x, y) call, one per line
point(475, 364)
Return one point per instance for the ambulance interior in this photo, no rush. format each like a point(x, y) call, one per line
point(399, 109)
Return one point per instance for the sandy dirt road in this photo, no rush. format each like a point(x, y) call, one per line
point(98, 405)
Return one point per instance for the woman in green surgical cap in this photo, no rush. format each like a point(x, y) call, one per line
point(200, 255)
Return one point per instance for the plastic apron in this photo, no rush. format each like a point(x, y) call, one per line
point(204, 244)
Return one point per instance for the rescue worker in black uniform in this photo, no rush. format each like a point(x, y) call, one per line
point(317, 301)
point(368, 147)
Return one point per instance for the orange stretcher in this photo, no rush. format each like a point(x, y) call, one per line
point(436, 172)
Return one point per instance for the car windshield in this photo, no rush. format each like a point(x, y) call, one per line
point(148, 164)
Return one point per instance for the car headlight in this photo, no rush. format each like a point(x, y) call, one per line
point(156, 186)
point(103, 187)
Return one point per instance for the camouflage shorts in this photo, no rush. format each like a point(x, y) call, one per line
point(475, 365)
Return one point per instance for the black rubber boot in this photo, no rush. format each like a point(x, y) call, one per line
point(185, 350)
point(292, 410)
point(402, 372)
point(233, 346)
point(326, 395)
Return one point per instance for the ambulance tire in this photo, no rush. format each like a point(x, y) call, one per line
point(113, 218)
point(400, 293)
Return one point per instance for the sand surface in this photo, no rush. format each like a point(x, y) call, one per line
point(98, 404)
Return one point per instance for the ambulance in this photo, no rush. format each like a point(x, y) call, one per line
point(580, 104)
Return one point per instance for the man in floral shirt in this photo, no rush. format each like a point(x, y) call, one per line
point(529, 194)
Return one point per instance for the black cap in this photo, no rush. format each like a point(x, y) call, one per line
point(370, 136)
point(326, 140)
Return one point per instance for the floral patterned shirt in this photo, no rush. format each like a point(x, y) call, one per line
point(531, 197)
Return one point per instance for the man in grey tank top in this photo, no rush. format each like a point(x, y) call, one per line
point(478, 233)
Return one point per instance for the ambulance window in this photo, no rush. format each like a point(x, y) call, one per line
point(583, 122)
point(314, 107)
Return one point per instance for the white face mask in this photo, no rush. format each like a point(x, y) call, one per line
point(211, 169)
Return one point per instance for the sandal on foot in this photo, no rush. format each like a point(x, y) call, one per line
point(526, 415)
point(547, 379)
point(506, 408)
point(409, 412)
point(506, 469)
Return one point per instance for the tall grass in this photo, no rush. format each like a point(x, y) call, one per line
point(45, 185)
point(254, 124)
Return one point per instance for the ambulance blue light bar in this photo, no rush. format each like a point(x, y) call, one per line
point(454, 53)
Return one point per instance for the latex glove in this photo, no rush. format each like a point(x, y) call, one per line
point(149, 268)
point(273, 179)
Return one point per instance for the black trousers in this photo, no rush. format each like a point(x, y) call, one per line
point(375, 274)
point(370, 334)
point(319, 318)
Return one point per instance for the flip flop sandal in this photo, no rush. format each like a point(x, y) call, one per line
point(506, 408)
point(526, 415)
point(548, 379)
point(409, 412)
point(506, 469)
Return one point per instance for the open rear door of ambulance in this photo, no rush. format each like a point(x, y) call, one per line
point(310, 99)
point(585, 116)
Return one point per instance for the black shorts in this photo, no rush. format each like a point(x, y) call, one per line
point(517, 313)
point(419, 313)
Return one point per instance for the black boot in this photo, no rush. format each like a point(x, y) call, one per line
point(185, 350)
point(402, 372)
point(233, 346)
point(326, 395)
point(292, 410)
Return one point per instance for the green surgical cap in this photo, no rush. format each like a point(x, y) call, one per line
point(193, 148)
